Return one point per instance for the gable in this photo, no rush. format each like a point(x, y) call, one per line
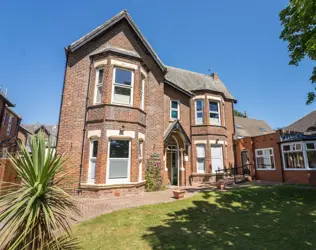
point(119, 38)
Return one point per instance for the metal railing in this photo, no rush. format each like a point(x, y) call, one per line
point(245, 170)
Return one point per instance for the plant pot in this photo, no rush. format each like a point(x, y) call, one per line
point(220, 185)
point(178, 194)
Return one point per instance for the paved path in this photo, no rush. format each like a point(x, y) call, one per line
point(92, 207)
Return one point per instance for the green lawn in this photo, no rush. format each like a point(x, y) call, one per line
point(246, 218)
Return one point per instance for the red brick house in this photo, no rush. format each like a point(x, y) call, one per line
point(121, 104)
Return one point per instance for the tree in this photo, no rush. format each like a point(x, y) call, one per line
point(238, 113)
point(36, 215)
point(299, 21)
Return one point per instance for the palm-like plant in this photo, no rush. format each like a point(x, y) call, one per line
point(37, 214)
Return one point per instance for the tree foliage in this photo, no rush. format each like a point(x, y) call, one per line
point(299, 21)
point(36, 215)
point(238, 113)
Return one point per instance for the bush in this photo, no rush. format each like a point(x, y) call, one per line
point(153, 174)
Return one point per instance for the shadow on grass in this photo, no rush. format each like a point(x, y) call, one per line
point(245, 218)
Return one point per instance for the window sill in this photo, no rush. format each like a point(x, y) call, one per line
point(299, 169)
point(110, 186)
point(264, 169)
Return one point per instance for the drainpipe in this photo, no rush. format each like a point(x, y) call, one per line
point(62, 96)
point(84, 127)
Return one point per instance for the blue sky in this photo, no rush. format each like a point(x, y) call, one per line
point(237, 39)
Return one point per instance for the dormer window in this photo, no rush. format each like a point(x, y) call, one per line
point(122, 91)
point(174, 110)
point(98, 86)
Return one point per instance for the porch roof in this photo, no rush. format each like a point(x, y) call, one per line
point(176, 126)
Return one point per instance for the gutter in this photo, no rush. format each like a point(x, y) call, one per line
point(84, 128)
point(62, 96)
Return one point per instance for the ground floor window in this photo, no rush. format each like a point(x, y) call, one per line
point(293, 156)
point(200, 158)
point(119, 161)
point(265, 159)
point(311, 154)
point(93, 160)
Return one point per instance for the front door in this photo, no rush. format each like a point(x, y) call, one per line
point(174, 167)
point(217, 157)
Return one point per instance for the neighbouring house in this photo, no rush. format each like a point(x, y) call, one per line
point(121, 105)
point(287, 155)
point(9, 129)
point(50, 133)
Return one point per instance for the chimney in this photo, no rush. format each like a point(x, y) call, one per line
point(215, 77)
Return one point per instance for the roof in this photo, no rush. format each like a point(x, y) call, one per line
point(193, 81)
point(123, 15)
point(291, 137)
point(6, 100)
point(13, 112)
point(304, 124)
point(176, 125)
point(50, 129)
point(246, 127)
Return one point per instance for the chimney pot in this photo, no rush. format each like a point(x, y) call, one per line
point(215, 76)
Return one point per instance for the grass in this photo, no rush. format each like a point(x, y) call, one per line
point(282, 217)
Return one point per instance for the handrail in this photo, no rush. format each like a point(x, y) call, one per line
point(235, 170)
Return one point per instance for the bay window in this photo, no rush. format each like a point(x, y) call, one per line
point(311, 154)
point(140, 161)
point(200, 158)
point(199, 112)
point(293, 156)
point(98, 86)
point(214, 113)
point(265, 159)
point(175, 110)
point(9, 125)
point(122, 90)
point(119, 161)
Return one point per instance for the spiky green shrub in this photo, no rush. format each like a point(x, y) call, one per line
point(37, 214)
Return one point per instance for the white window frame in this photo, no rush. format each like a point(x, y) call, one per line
point(123, 180)
point(123, 86)
point(308, 150)
point(92, 158)
point(140, 161)
point(9, 125)
point(265, 156)
point(197, 169)
point(97, 85)
point(292, 149)
point(196, 111)
point(175, 109)
point(142, 93)
point(214, 112)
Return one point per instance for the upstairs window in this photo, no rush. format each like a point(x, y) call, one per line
point(175, 110)
point(199, 112)
point(214, 113)
point(98, 86)
point(122, 86)
point(9, 125)
point(142, 94)
point(4, 117)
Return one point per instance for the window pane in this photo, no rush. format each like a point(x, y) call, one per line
point(298, 146)
point(174, 114)
point(294, 160)
point(310, 145)
point(199, 118)
point(95, 148)
point(259, 152)
point(311, 156)
point(212, 115)
point(101, 74)
point(200, 151)
point(118, 169)
point(119, 149)
point(122, 95)
point(123, 76)
point(286, 148)
point(214, 106)
point(199, 105)
point(260, 162)
point(272, 161)
point(99, 95)
point(201, 165)
point(174, 104)
point(199, 115)
point(262, 130)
